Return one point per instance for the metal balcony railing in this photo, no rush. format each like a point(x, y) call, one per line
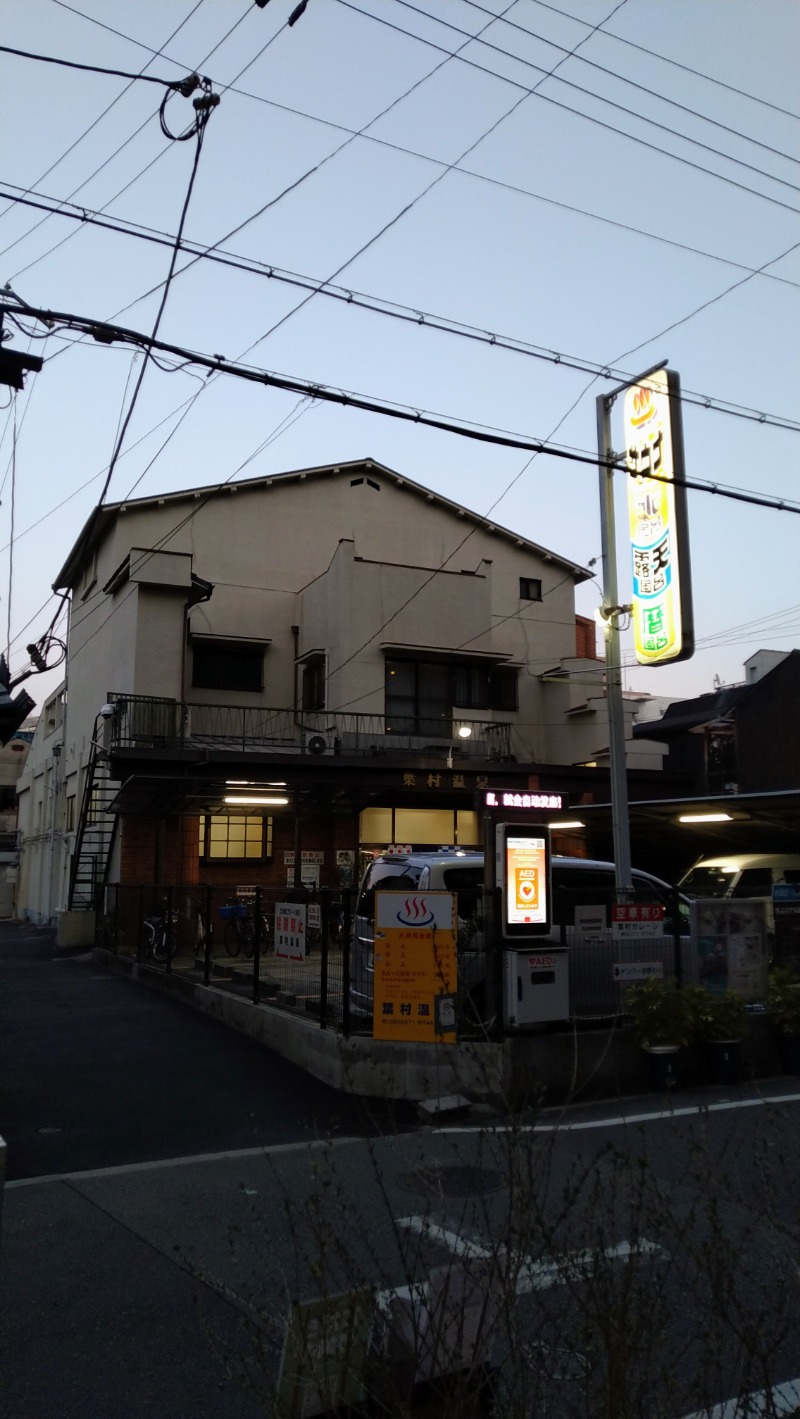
point(149, 722)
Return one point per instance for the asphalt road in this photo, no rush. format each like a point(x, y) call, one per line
point(199, 1187)
point(97, 1070)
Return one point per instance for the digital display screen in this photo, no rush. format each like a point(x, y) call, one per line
point(523, 855)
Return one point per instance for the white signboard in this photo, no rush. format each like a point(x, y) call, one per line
point(314, 916)
point(590, 922)
point(290, 931)
point(309, 877)
point(627, 971)
point(305, 857)
point(419, 911)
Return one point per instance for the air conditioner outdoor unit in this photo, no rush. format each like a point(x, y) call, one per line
point(319, 741)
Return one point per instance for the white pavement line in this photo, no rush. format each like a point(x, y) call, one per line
point(783, 1399)
point(268, 1150)
point(530, 1275)
point(461, 1246)
point(615, 1120)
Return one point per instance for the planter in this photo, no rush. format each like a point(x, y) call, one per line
point(789, 1053)
point(662, 1067)
point(724, 1060)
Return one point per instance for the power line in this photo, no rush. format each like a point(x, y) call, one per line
point(676, 64)
point(92, 68)
point(625, 79)
point(424, 157)
point(412, 314)
point(154, 55)
point(106, 333)
point(609, 127)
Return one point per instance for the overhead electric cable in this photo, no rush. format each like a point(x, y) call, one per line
point(154, 55)
point(624, 79)
point(203, 115)
point(160, 154)
point(106, 333)
point(590, 118)
point(91, 68)
point(426, 319)
point(676, 63)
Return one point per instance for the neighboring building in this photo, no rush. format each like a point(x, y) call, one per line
point(738, 738)
point(12, 762)
point(319, 640)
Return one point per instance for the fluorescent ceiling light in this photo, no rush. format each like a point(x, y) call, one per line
point(237, 783)
point(705, 818)
point(264, 800)
point(567, 823)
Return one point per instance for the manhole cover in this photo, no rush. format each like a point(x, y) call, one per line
point(441, 1181)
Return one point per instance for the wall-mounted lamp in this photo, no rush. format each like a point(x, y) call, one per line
point(464, 732)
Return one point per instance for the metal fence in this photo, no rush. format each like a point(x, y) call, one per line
point(295, 949)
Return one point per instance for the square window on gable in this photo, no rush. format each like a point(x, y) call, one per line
point(530, 588)
point(227, 665)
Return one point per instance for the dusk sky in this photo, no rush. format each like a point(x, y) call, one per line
point(640, 202)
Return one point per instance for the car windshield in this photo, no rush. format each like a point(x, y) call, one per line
point(708, 881)
point(397, 876)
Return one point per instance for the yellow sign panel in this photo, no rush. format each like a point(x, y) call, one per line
point(662, 613)
point(415, 967)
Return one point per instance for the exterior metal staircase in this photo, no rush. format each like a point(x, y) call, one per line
point(96, 832)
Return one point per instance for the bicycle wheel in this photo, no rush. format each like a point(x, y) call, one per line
point(233, 936)
point(161, 943)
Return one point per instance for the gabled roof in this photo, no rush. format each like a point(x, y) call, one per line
point(101, 520)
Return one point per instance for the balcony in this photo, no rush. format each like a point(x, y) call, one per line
point(145, 722)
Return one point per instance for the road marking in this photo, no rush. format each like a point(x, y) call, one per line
point(614, 1121)
point(783, 1399)
point(267, 1150)
point(530, 1275)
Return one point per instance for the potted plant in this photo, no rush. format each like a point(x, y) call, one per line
point(661, 1026)
point(783, 1004)
point(719, 1021)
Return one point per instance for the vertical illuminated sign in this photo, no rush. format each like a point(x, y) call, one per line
point(663, 622)
point(523, 872)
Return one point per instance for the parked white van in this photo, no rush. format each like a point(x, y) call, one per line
point(746, 874)
point(576, 882)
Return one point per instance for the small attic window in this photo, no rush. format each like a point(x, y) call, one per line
point(357, 482)
point(530, 588)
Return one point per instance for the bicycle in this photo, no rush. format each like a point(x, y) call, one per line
point(161, 939)
point(240, 928)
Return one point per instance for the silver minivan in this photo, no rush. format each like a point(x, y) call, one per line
point(576, 881)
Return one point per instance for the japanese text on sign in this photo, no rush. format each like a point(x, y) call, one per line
point(415, 972)
point(290, 931)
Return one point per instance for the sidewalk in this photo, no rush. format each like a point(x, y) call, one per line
point(98, 1317)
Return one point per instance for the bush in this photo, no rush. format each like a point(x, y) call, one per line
point(783, 1000)
point(717, 1016)
point(660, 1013)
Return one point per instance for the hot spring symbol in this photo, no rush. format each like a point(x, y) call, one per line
point(415, 912)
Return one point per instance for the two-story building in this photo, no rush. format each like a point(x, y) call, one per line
point(282, 675)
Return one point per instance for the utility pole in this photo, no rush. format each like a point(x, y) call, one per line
point(611, 612)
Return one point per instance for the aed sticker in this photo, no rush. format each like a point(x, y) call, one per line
point(540, 962)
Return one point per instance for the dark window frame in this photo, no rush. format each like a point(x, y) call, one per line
point(314, 683)
point(468, 685)
point(209, 659)
point(530, 588)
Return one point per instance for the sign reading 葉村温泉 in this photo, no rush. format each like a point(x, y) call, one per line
point(415, 975)
point(662, 597)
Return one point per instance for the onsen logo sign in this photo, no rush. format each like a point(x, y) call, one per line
point(415, 912)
